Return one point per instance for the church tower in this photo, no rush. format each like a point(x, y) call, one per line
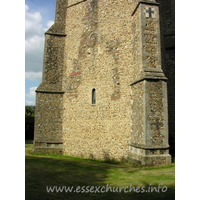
point(103, 93)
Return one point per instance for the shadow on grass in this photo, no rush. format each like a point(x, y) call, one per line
point(52, 171)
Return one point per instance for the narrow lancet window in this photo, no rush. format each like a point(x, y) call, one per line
point(93, 96)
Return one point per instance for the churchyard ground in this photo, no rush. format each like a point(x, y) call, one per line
point(43, 171)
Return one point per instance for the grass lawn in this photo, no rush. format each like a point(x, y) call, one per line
point(52, 170)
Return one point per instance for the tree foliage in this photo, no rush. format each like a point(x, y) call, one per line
point(29, 110)
point(29, 122)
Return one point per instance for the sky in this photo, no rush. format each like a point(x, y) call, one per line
point(39, 16)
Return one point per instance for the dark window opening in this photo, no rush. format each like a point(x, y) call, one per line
point(93, 96)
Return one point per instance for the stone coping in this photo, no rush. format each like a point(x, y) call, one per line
point(53, 92)
point(144, 2)
point(149, 78)
point(56, 34)
point(74, 4)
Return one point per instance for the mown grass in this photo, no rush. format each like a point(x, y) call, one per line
point(54, 170)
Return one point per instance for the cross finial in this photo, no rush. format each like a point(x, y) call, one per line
point(150, 12)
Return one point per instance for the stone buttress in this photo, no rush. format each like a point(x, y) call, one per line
point(49, 94)
point(149, 112)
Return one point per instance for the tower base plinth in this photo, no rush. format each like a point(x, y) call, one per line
point(149, 156)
